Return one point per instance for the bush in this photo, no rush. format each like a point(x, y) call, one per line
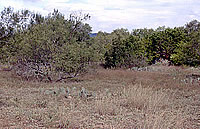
point(57, 42)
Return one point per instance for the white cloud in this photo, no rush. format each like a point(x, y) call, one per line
point(111, 14)
point(12, 3)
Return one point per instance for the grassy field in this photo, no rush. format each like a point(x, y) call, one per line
point(158, 99)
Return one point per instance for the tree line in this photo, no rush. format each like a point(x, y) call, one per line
point(54, 44)
point(178, 45)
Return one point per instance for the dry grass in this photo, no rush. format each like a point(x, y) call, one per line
point(124, 99)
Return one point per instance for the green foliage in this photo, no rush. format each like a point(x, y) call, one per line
point(188, 51)
point(163, 43)
point(66, 46)
point(63, 44)
point(134, 51)
point(12, 25)
point(115, 49)
point(101, 43)
point(126, 50)
point(179, 45)
point(73, 59)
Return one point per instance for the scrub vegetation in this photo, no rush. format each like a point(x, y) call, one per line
point(54, 74)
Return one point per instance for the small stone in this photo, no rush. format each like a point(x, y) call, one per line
point(69, 97)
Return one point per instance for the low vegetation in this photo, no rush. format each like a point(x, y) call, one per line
point(103, 99)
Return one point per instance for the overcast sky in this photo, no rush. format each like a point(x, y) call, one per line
point(107, 15)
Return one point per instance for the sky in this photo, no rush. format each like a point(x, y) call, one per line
point(107, 15)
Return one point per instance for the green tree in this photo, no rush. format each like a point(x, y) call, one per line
point(63, 44)
point(188, 51)
point(163, 42)
point(101, 43)
point(114, 56)
point(126, 50)
point(11, 25)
